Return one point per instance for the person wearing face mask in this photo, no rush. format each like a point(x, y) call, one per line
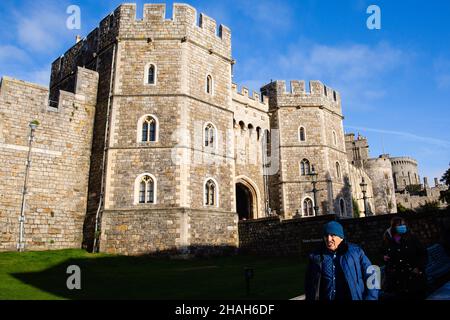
point(338, 270)
point(405, 259)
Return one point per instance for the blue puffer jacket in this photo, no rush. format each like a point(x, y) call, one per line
point(354, 264)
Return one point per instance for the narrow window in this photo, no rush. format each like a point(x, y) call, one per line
point(210, 193)
point(146, 190)
point(302, 134)
point(338, 170)
point(308, 210)
point(305, 167)
point(142, 192)
point(210, 134)
point(149, 130)
point(209, 84)
point(268, 143)
point(334, 138)
point(151, 74)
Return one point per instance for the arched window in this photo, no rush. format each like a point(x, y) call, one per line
point(342, 207)
point(209, 84)
point(258, 133)
point(250, 128)
point(308, 208)
point(305, 167)
point(301, 134)
point(334, 138)
point(267, 143)
point(149, 129)
point(338, 170)
point(210, 135)
point(146, 189)
point(211, 193)
point(151, 74)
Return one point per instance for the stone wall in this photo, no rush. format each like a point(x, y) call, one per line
point(276, 237)
point(58, 178)
point(356, 176)
point(168, 231)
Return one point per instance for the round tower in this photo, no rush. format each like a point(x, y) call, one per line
point(380, 171)
point(405, 172)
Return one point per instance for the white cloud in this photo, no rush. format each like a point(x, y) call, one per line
point(10, 54)
point(42, 27)
point(357, 71)
point(406, 135)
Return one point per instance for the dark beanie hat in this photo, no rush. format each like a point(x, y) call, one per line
point(335, 228)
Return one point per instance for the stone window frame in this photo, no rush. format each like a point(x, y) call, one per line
point(343, 214)
point(215, 146)
point(208, 78)
point(335, 141)
point(307, 172)
point(139, 129)
point(303, 207)
point(216, 193)
point(146, 72)
point(300, 135)
point(137, 185)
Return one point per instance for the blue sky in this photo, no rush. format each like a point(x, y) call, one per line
point(394, 82)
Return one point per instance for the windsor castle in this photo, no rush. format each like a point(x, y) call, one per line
point(145, 144)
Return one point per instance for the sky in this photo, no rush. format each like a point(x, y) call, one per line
point(394, 82)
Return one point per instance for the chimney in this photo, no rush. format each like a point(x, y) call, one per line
point(436, 182)
point(77, 38)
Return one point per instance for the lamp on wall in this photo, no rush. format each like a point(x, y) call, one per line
point(314, 177)
point(363, 186)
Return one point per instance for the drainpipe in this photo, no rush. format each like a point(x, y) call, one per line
point(96, 246)
point(21, 244)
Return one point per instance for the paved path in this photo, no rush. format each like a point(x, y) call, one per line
point(442, 293)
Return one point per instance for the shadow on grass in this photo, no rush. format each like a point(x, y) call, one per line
point(146, 277)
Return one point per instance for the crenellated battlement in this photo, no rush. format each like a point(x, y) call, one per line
point(317, 94)
point(184, 23)
point(123, 25)
point(256, 100)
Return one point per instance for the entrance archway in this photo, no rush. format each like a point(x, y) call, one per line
point(244, 202)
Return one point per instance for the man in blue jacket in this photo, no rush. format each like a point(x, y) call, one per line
point(338, 270)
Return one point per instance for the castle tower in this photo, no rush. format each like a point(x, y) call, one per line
point(357, 149)
point(307, 132)
point(164, 112)
point(380, 171)
point(405, 172)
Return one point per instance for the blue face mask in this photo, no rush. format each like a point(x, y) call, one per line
point(401, 229)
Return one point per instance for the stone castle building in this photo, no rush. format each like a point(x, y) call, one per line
point(396, 180)
point(146, 145)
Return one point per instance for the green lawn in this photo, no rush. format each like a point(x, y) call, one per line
point(42, 275)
